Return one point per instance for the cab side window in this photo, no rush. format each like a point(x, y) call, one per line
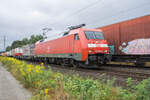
point(76, 37)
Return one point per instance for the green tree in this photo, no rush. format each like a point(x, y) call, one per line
point(25, 41)
point(16, 44)
point(8, 48)
point(34, 39)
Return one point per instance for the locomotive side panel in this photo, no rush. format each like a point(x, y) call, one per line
point(64, 47)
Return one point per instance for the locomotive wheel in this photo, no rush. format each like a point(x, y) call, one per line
point(74, 64)
point(63, 63)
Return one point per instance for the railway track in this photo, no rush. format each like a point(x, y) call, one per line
point(126, 74)
point(128, 66)
point(120, 73)
point(119, 70)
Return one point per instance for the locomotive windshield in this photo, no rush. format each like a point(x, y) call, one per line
point(94, 35)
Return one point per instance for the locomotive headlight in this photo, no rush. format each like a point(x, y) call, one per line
point(91, 45)
point(103, 45)
point(105, 50)
point(90, 51)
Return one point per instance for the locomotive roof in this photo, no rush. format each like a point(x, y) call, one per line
point(74, 31)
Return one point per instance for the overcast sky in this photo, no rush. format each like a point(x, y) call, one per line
point(22, 18)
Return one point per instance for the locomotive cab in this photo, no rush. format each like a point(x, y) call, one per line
point(97, 49)
point(96, 42)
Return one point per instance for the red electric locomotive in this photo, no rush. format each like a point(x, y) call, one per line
point(77, 46)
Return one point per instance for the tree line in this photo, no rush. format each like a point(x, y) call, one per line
point(24, 41)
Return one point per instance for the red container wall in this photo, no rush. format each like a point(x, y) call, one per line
point(132, 30)
point(147, 26)
point(125, 32)
point(111, 34)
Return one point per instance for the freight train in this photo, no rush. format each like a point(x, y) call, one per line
point(77, 47)
point(130, 39)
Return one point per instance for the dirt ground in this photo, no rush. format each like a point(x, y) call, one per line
point(10, 89)
point(120, 74)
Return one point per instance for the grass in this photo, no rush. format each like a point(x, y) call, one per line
point(49, 85)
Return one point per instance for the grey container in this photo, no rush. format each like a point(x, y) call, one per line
point(28, 50)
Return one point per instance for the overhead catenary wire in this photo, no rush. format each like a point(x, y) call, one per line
point(4, 42)
point(74, 13)
point(109, 16)
point(79, 11)
point(120, 12)
point(70, 16)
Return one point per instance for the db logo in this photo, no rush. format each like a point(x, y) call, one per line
point(97, 45)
